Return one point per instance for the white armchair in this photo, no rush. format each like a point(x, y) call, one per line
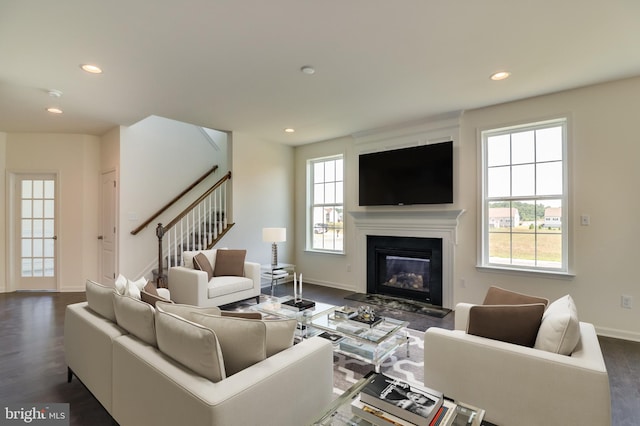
point(193, 287)
point(519, 385)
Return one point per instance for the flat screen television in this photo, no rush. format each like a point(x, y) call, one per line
point(416, 175)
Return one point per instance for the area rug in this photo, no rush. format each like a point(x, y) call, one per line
point(400, 304)
point(347, 370)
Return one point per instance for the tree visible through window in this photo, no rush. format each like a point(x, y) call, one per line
point(325, 218)
point(524, 197)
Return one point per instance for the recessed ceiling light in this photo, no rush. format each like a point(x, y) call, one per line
point(93, 69)
point(55, 95)
point(289, 130)
point(501, 75)
point(308, 69)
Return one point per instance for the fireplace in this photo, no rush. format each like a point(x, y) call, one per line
point(407, 267)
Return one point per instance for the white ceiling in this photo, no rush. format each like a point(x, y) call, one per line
point(235, 64)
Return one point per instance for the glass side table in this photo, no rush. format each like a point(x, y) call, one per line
point(276, 274)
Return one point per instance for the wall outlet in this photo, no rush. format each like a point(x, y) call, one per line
point(585, 220)
point(626, 302)
point(348, 267)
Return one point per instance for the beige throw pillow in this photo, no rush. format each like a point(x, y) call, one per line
point(186, 311)
point(137, 317)
point(229, 263)
point(100, 299)
point(500, 296)
point(192, 345)
point(517, 324)
point(560, 328)
point(151, 288)
point(201, 263)
point(243, 342)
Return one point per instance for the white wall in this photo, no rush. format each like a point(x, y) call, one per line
point(263, 181)
point(322, 268)
point(603, 157)
point(3, 207)
point(76, 159)
point(159, 158)
point(605, 150)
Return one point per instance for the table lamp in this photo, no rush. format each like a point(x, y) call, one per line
point(274, 236)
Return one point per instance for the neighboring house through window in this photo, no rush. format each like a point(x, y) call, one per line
point(524, 193)
point(325, 215)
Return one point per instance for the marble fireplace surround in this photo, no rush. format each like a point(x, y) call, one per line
point(426, 224)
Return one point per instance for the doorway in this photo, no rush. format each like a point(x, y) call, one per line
point(108, 234)
point(35, 239)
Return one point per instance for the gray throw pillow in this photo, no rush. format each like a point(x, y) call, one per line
point(229, 263)
point(201, 262)
point(500, 296)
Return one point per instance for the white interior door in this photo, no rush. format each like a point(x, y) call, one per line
point(36, 231)
point(108, 236)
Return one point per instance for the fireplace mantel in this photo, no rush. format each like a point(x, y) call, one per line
point(430, 219)
point(429, 223)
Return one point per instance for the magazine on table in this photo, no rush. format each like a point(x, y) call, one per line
point(413, 403)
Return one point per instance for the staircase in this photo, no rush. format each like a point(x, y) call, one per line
point(198, 227)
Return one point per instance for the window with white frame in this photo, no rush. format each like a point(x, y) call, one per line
point(325, 231)
point(524, 194)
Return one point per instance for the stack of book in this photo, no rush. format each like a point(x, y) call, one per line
point(385, 401)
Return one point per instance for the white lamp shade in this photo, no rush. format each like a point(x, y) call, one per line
point(274, 235)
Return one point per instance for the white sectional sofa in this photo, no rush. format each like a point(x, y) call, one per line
point(113, 346)
point(519, 385)
point(191, 286)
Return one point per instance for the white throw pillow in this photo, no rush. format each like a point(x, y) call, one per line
point(193, 345)
point(121, 284)
point(140, 283)
point(132, 290)
point(560, 328)
point(187, 257)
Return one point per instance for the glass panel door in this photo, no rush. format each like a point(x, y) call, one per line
point(37, 227)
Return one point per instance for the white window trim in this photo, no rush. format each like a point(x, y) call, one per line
point(483, 244)
point(309, 206)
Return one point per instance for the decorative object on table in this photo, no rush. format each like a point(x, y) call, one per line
point(345, 312)
point(298, 303)
point(274, 236)
point(415, 404)
point(367, 316)
point(334, 338)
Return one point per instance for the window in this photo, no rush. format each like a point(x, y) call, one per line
point(524, 197)
point(325, 230)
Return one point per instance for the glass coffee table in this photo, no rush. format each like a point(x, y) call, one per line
point(369, 342)
point(275, 307)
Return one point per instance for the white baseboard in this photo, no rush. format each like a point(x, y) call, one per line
point(74, 289)
point(618, 334)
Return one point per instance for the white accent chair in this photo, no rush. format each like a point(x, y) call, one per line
point(191, 286)
point(519, 385)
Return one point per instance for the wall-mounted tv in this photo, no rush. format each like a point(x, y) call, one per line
point(416, 175)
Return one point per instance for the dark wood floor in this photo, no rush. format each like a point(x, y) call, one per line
point(33, 369)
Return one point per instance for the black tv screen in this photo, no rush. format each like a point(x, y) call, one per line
point(416, 175)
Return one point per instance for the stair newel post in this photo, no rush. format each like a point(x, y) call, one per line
point(160, 283)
